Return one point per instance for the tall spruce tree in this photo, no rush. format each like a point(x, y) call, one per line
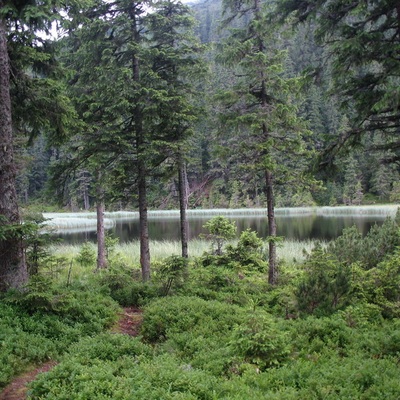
point(31, 102)
point(130, 81)
point(260, 105)
point(178, 64)
point(13, 270)
point(102, 71)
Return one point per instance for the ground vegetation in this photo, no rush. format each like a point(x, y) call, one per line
point(329, 327)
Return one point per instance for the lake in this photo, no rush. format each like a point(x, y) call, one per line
point(324, 223)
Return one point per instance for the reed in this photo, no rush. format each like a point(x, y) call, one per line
point(371, 210)
point(288, 251)
point(70, 221)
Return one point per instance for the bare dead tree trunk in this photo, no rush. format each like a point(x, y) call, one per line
point(13, 269)
point(183, 205)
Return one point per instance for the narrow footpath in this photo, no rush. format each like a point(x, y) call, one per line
point(128, 323)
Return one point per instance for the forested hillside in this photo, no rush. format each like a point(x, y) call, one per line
point(220, 169)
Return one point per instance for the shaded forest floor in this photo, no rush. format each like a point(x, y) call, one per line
point(129, 321)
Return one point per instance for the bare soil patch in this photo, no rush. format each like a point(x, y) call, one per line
point(129, 322)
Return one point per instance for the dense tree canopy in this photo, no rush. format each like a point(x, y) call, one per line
point(120, 87)
point(362, 38)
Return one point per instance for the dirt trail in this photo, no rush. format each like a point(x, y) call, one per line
point(17, 390)
point(128, 323)
point(130, 319)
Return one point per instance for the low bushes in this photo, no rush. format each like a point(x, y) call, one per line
point(121, 368)
point(41, 323)
point(214, 329)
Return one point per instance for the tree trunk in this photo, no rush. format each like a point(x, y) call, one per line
point(183, 205)
point(143, 223)
point(272, 268)
point(100, 208)
point(269, 180)
point(13, 269)
point(141, 163)
point(85, 190)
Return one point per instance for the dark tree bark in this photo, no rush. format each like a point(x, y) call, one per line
point(85, 190)
point(183, 205)
point(101, 248)
point(272, 268)
point(143, 223)
point(269, 181)
point(100, 209)
point(13, 270)
point(141, 163)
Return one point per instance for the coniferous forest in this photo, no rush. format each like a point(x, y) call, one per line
point(138, 105)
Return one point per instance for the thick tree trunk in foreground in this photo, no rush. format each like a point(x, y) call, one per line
point(272, 267)
point(183, 205)
point(13, 270)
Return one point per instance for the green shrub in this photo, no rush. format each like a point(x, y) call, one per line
point(179, 314)
point(361, 315)
point(127, 377)
point(380, 242)
point(172, 272)
point(107, 347)
point(119, 283)
point(220, 230)
point(135, 293)
point(42, 322)
point(259, 341)
point(326, 335)
point(380, 285)
point(197, 331)
point(247, 255)
point(87, 255)
point(325, 285)
point(331, 377)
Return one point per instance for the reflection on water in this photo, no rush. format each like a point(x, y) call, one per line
point(300, 227)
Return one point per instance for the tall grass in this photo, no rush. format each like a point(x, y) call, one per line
point(288, 251)
point(76, 222)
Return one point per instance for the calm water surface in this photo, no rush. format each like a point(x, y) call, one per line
point(301, 227)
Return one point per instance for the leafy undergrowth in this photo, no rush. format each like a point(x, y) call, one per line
point(197, 349)
point(42, 323)
point(214, 329)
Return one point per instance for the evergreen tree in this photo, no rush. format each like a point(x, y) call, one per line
point(352, 190)
point(30, 102)
point(260, 105)
point(177, 63)
point(361, 38)
point(131, 86)
point(13, 270)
